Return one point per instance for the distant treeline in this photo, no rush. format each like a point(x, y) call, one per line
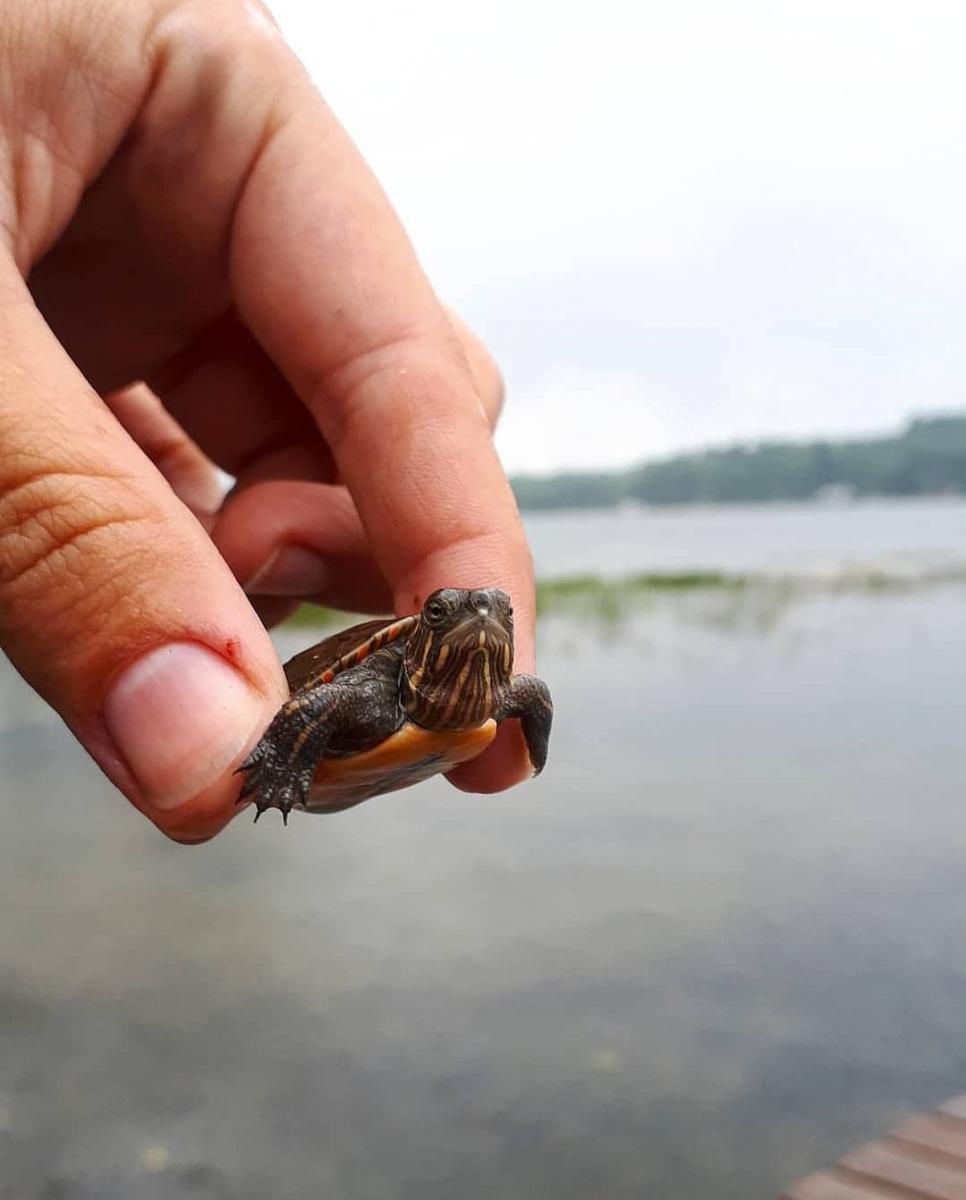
point(928, 457)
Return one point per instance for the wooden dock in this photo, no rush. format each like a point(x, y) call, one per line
point(924, 1158)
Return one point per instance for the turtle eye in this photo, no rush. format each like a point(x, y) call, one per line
point(434, 611)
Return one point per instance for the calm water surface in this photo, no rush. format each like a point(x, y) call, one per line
point(723, 938)
point(901, 537)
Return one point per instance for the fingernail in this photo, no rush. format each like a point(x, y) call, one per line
point(180, 716)
point(291, 571)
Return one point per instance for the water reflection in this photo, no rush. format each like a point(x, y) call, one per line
point(720, 940)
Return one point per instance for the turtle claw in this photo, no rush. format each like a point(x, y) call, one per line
point(274, 779)
point(257, 765)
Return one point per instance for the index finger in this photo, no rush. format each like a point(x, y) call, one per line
point(325, 277)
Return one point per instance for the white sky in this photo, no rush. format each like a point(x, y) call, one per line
point(675, 223)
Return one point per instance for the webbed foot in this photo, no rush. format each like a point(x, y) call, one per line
point(529, 699)
point(279, 771)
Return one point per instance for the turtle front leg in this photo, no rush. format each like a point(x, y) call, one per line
point(281, 767)
point(529, 699)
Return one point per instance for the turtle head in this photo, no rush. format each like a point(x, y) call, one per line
point(459, 658)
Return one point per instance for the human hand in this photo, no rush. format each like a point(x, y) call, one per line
point(188, 213)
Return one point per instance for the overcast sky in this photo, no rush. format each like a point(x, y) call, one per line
point(677, 223)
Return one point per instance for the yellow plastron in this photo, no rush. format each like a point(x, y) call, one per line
point(406, 757)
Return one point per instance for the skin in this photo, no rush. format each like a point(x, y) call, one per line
point(197, 268)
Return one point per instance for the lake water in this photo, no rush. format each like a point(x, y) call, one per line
point(719, 941)
point(904, 538)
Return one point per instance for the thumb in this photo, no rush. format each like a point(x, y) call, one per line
point(114, 604)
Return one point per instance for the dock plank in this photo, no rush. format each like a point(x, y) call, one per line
point(923, 1158)
point(893, 1164)
point(830, 1185)
point(935, 1132)
point(955, 1107)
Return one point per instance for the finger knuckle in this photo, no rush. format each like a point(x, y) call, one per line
point(490, 385)
point(405, 383)
point(213, 32)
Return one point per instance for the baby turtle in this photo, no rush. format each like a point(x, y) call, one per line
point(388, 703)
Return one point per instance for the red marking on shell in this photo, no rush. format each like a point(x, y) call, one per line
point(352, 658)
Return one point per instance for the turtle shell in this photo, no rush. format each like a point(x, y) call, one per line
point(408, 756)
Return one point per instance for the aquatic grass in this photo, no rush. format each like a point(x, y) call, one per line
point(551, 592)
point(606, 604)
point(609, 600)
point(601, 592)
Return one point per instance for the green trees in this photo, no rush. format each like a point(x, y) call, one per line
point(928, 457)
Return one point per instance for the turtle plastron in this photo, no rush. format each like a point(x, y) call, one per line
point(406, 757)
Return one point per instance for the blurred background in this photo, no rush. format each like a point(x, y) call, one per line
point(719, 253)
